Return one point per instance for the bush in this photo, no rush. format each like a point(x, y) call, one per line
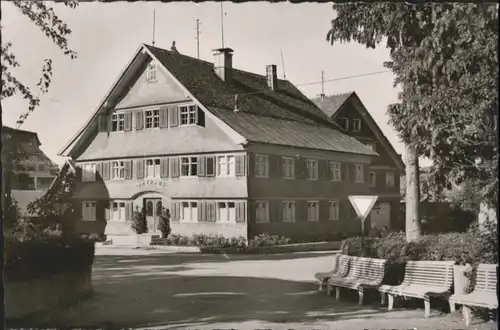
point(268, 240)
point(204, 240)
point(164, 224)
point(139, 223)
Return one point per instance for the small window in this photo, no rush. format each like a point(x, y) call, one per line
point(262, 166)
point(189, 114)
point(371, 146)
point(344, 123)
point(335, 173)
point(312, 211)
point(118, 211)
point(118, 122)
point(118, 170)
point(359, 173)
point(189, 166)
point(334, 211)
point(288, 168)
point(88, 172)
point(288, 211)
point(262, 212)
point(89, 211)
point(356, 125)
point(152, 118)
point(389, 179)
point(152, 168)
point(373, 179)
point(151, 72)
point(312, 169)
point(189, 211)
point(225, 166)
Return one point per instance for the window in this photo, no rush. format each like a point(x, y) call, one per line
point(371, 146)
point(373, 179)
point(288, 211)
point(262, 166)
point(288, 168)
point(389, 179)
point(118, 170)
point(41, 167)
point(344, 123)
point(89, 211)
point(262, 212)
point(189, 211)
point(225, 166)
point(334, 210)
point(189, 114)
point(88, 172)
point(335, 173)
point(312, 211)
point(312, 169)
point(118, 122)
point(226, 211)
point(152, 118)
point(118, 211)
point(43, 183)
point(152, 168)
point(356, 125)
point(189, 166)
point(359, 174)
point(151, 73)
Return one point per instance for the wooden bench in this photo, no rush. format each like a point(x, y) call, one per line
point(363, 273)
point(423, 279)
point(484, 294)
point(340, 269)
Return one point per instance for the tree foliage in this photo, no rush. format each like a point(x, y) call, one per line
point(445, 59)
point(45, 18)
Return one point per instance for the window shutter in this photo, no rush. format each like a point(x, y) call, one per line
point(98, 171)
point(78, 174)
point(345, 171)
point(164, 117)
point(240, 165)
point(324, 210)
point(322, 169)
point(201, 215)
point(352, 173)
point(128, 211)
point(100, 210)
point(139, 120)
point(176, 211)
point(103, 123)
point(107, 210)
point(201, 117)
point(106, 169)
point(211, 212)
point(240, 212)
point(139, 168)
point(128, 121)
point(174, 167)
point(210, 165)
point(251, 159)
point(366, 172)
point(173, 116)
point(300, 211)
point(201, 166)
point(164, 167)
point(128, 169)
point(276, 211)
point(275, 166)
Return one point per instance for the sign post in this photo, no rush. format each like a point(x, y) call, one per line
point(362, 205)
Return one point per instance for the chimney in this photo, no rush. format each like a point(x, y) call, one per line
point(223, 62)
point(272, 79)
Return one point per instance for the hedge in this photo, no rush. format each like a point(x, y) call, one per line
point(219, 241)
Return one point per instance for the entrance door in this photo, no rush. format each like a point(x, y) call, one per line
point(153, 208)
point(381, 216)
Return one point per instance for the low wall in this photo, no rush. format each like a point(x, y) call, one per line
point(22, 298)
point(214, 228)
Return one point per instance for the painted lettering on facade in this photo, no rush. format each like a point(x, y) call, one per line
point(151, 182)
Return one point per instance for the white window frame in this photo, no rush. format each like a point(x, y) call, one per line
point(312, 169)
point(288, 170)
point(288, 205)
point(359, 173)
point(188, 115)
point(335, 169)
point(262, 212)
point(370, 145)
point(191, 161)
point(151, 73)
point(373, 179)
point(334, 210)
point(390, 180)
point(89, 211)
point(118, 167)
point(226, 165)
point(118, 119)
point(88, 172)
point(155, 168)
point(312, 214)
point(118, 215)
point(193, 216)
point(230, 216)
point(345, 123)
point(154, 116)
point(261, 166)
point(356, 125)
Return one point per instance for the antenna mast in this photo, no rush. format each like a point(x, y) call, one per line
point(322, 95)
point(198, 37)
point(154, 21)
point(222, 22)
point(283, 64)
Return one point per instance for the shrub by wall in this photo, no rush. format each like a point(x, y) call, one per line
point(219, 241)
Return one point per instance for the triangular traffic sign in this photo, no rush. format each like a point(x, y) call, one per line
point(363, 205)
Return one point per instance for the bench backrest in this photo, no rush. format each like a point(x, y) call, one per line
point(367, 268)
point(343, 262)
point(486, 278)
point(336, 262)
point(429, 273)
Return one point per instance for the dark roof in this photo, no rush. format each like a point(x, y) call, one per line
point(20, 135)
point(283, 116)
point(332, 103)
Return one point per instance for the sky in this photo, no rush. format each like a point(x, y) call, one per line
point(106, 35)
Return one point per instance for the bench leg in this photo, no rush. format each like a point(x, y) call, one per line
point(466, 313)
point(390, 306)
point(382, 298)
point(427, 305)
point(452, 307)
point(337, 293)
point(360, 294)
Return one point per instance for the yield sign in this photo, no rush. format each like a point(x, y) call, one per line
point(362, 205)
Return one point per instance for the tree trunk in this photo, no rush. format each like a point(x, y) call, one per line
point(413, 229)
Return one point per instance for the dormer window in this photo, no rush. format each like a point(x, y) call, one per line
point(189, 114)
point(356, 125)
point(118, 122)
point(152, 118)
point(344, 123)
point(151, 72)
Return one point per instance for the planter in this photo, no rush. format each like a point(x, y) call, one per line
point(460, 281)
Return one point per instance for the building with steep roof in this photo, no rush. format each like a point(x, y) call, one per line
point(226, 151)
